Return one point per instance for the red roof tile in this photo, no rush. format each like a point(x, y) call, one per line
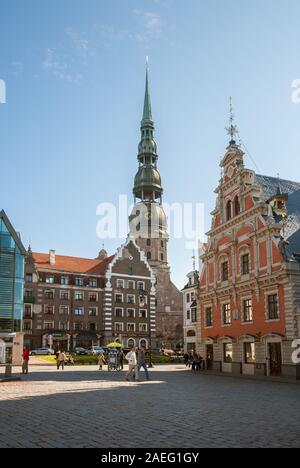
point(72, 264)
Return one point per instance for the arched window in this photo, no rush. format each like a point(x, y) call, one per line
point(143, 343)
point(131, 343)
point(228, 210)
point(149, 256)
point(237, 206)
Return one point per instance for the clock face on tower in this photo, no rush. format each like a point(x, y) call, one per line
point(230, 171)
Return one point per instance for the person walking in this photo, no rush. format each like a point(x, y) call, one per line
point(186, 359)
point(101, 361)
point(133, 365)
point(121, 358)
point(61, 360)
point(25, 357)
point(142, 361)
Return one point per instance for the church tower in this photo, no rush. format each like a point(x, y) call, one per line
point(148, 225)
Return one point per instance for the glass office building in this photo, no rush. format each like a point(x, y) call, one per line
point(12, 265)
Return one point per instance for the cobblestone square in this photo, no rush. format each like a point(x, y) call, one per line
point(82, 407)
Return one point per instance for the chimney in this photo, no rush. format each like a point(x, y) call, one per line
point(52, 257)
point(102, 255)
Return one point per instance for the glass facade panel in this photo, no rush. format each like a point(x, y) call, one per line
point(11, 282)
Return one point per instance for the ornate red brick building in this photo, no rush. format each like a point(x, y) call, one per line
point(250, 283)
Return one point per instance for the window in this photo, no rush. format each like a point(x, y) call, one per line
point(247, 311)
point(79, 282)
point(79, 312)
point(188, 315)
point(130, 299)
point(27, 311)
point(131, 313)
point(48, 326)
point(162, 257)
point(63, 310)
point(143, 328)
point(119, 327)
point(93, 312)
point(208, 317)
point(131, 285)
point(50, 279)
point(228, 353)
point(228, 210)
point(245, 264)
point(119, 298)
point(64, 326)
point(141, 285)
point(64, 280)
point(93, 283)
point(92, 327)
point(143, 299)
point(162, 244)
point(188, 298)
point(29, 278)
point(149, 256)
point(120, 284)
point(49, 310)
point(64, 295)
point(194, 315)
point(149, 242)
point(237, 206)
point(225, 271)
point(93, 297)
point(226, 314)
point(249, 352)
point(79, 296)
point(131, 327)
point(27, 325)
point(28, 293)
point(273, 309)
point(119, 313)
point(143, 314)
point(78, 326)
point(49, 294)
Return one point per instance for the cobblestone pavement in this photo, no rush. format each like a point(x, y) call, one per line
point(82, 407)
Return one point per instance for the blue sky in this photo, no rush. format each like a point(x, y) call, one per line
point(74, 72)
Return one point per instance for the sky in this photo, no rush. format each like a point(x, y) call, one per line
point(75, 76)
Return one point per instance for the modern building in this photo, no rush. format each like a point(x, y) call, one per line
point(191, 323)
point(77, 302)
point(148, 225)
point(12, 259)
point(250, 283)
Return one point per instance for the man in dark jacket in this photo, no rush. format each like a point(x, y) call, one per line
point(142, 361)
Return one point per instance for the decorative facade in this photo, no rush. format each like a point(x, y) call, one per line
point(74, 302)
point(148, 225)
point(250, 283)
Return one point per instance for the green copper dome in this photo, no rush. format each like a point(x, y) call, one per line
point(148, 178)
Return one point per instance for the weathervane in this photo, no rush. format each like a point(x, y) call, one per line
point(232, 130)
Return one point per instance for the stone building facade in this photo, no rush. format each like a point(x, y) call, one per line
point(191, 329)
point(148, 225)
point(74, 302)
point(250, 283)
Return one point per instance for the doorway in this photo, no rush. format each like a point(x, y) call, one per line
point(209, 356)
point(275, 357)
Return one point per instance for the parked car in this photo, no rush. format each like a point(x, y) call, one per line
point(42, 352)
point(96, 350)
point(80, 352)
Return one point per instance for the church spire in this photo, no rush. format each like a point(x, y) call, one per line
point(232, 129)
point(147, 115)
